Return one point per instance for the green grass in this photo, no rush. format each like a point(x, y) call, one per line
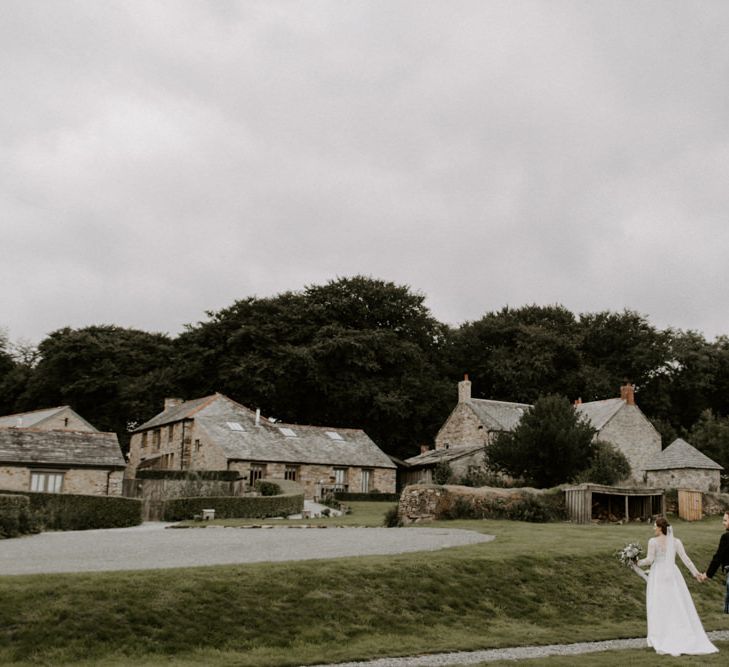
point(364, 514)
point(535, 584)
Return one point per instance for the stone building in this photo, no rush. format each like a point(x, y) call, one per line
point(461, 460)
point(57, 451)
point(682, 466)
point(475, 422)
point(216, 433)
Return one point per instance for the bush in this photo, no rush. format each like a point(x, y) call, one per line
point(608, 465)
point(234, 507)
point(536, 508)
point(267, 488)
point(67, 511)
point(377, 496)
point(15, 516)
point(442, 473)
point(191, 475)
point(392, 518)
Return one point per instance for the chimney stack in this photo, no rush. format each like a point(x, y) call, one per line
point(258, 416)
point(464, 390)
point(578, 401)
point(424, 449)
point(173, 402)
point(627, 393)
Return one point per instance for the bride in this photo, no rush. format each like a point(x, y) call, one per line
point(674, 626)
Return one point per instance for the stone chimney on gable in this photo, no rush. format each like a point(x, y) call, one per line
point(424, 449)
point(464, 390)
point(173, 402)
point(627, 393)
point(578, 401)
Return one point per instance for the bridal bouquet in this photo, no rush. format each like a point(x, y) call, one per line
point(629, 554)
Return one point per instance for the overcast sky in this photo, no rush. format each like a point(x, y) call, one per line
point(161, 159)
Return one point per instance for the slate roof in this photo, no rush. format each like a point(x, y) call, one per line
point(433, 456)
point(266, 441)
point(600, 412)
point(499, 415)
point(680, 454)
point(37, 417)
point(67, 448)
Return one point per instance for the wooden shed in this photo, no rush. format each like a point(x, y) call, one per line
point(595, 502)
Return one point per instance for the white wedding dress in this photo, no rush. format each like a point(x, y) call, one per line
point(674, 626)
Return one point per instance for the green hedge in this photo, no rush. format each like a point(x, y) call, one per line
point(15, 516)
point(232, 507)
point(66, 511)
point(537, 508)
point(208, 475)
point(384, 497)
point(267, 488)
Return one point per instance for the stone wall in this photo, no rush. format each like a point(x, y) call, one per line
point(461, 428)
point(685, 478)
point(85, 481)
point(631, 432)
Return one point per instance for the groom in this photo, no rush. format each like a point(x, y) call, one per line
point(721, 559)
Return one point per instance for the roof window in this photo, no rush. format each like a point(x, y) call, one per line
point(234, 426)
point(333, 435)
point(287, 432)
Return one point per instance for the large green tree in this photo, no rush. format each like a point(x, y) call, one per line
point(355, 352)
point(549, 446)
point(710, 435)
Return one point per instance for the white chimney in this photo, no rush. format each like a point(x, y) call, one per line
point(258, 416)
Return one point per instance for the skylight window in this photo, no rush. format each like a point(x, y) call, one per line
point(234, 426)
point(287, 432)
point(333, 435)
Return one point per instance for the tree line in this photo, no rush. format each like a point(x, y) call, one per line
point(366, 353)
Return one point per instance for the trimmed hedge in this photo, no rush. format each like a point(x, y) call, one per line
point(234, 507)
point(537, 508)
point(384, 497)
point(15, 516)
point(67, 511)
point(191, 475)
point(267, 488)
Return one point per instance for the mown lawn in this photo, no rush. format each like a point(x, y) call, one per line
point(535, 584)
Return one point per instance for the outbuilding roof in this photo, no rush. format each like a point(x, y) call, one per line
point(434, 456)
point(680, 454)
point(64, 448)
point(36, 418)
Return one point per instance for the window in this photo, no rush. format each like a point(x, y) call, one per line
point(197, 445)
point(340, 476)
point(234, 426)
point(170, 432)
point(46, 482)
point(65, 422)
point(291, 472)
point(156, 438)
point(333, 435)
point(144, 439)
point(366, 480)
point(287, 432)
point(258, 471)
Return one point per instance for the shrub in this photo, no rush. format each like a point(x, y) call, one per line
point(526, 506)
point(66, 511)
point(442, 473)
point(392, 518)
point(608, 465)
point(357, 497)
point(15, 516)
point(232, 507)
point(267, 488)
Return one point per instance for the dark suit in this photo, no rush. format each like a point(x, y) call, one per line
point(721, 559)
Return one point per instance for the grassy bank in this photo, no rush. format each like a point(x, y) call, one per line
point(535, 584)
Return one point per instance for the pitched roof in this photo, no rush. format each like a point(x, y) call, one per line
point(233, 428)
point(434, 456)
point(499, 415)
point(680, 454)
point(67, 448)
point(600, 412)
point(37, 417)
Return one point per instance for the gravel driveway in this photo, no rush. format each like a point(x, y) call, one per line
point(152, 546)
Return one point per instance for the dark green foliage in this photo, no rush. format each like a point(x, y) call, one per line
point(710, 435)
point(442, 473)
point(67, 511)
point(392, 518)
point(517, 507)
point(477, 477)
point(191, 475)
point(608, 465)
point(230, 507)
point(550, 445)
point(15, 516)
point(266, 488)
point(383, 497)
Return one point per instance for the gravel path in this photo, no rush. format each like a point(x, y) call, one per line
point(517, 653)
point(150, 546)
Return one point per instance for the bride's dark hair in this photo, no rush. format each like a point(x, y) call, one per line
point(662, 523)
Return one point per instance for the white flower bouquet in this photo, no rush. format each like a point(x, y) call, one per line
point(629, 554)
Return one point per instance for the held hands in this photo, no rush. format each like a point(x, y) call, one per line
point(701, 576)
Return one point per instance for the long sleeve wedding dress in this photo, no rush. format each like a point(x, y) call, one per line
point(674, 626)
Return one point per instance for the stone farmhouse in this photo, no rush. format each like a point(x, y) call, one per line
point(216, 433)
point(681, 465)
point(58, 451)
point(475, 422)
